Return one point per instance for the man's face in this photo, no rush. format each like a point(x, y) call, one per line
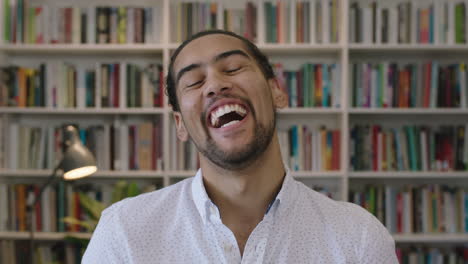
point(227, 107)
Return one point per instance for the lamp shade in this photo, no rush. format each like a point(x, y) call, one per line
point(77, 162)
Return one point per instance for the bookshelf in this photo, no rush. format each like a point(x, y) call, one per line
point(292, 52)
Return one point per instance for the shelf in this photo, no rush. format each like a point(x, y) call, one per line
point(82, 111)
point(134, 174)
point(310, 110)
point(44, 236)
point(300, 48)
point(431, 238)
point(405, 111)
point(298, 174)
point(409, 175)
point(81, 48)
point(418, 48)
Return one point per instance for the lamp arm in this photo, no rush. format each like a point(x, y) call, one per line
point(49, 181)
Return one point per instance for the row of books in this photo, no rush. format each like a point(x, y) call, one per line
point(65, 85)
point(310, 21)
point(409, 148)
point(57, 252)
point(416, 209)
point(429, 85)
point(433, 21)
point(313, 85)
point(57, 202)
point(432, 255)
point(118, 146)
point(31, 23)
point(192, 17)
point(242, 21)
point(311, 149)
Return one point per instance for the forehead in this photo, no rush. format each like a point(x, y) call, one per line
point(203, 49)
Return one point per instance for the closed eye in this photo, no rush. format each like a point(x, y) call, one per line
point(233, 70)
point(194, 84)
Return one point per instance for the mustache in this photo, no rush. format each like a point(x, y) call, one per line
point(225, 96)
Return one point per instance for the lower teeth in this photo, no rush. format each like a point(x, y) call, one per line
point(230, 123)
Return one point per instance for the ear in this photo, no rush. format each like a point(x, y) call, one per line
point(182, 133)
point(280, 97)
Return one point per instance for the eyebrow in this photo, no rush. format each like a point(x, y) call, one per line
point(218, 57)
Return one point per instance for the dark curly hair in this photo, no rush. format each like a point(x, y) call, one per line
point(259, 57)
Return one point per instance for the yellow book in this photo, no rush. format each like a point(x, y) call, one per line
point(122, 25)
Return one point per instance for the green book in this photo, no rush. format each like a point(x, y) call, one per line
point(269, 29)
point(460, 23)
point(412, 147)
point(7, 20)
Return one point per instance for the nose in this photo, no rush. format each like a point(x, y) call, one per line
point(217, 84)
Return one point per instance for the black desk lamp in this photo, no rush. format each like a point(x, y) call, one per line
point(77, 162)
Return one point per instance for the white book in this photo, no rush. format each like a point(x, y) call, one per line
point(76, 25)
point(91, 25)
point(146, 91)
point(312, 21)
point(123, 85)
point(437, 6)
point(424, 206)
point(53, 23)
point(393, 25)
point(39, 25)
point(97, 86)
point(406, 212)
point(157, 22)
point(123, 144)
point(42, 148)
point(80, 87)
point(45, 210)
point(13, 146)
point(113, 24)
point(390, 211)
point(404, 149)
point(130, 24)
point(326, 30)
point(378, 25)
point(4, 211)
point(414, 22)
point(318, 145)
point(366, 25)
point(149, 17)
point(50, 147)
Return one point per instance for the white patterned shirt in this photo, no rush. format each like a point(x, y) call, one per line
point(180, 224)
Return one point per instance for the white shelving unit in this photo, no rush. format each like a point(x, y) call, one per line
point(341, 52)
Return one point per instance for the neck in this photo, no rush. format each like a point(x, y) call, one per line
point(249, 191)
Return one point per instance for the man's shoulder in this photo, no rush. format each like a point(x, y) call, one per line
point(330, 208)
point(160, 200)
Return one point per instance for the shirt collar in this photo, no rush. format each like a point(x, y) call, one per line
point(203, 203)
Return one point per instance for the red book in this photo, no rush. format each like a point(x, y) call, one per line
point(116, 88)
point(399, 212)
point(427, 84)
point(68, 24)
point(38, 210)
point(375, 132)
point(336, 150)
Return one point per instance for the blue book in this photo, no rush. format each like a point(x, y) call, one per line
point(398, 149)
point(294, 148)
point(434, 83)
point(325, 85)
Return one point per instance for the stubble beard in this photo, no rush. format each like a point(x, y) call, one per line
point(244, 157)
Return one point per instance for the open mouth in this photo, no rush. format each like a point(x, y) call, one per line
point(227, 115)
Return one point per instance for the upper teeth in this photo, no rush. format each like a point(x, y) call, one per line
point(220, 111)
